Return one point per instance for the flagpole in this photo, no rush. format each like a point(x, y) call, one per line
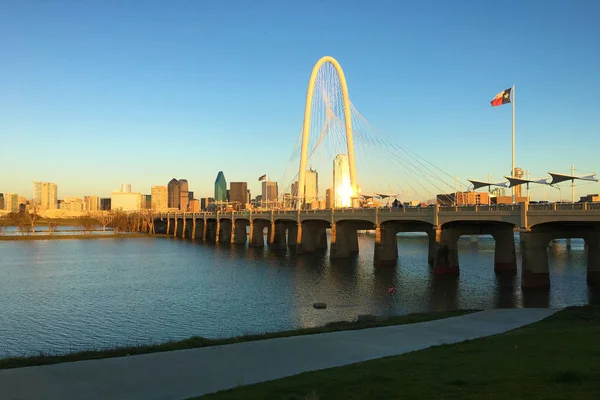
point(512, 171)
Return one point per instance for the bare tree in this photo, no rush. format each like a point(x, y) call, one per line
point(105, 218)
point(20, 220)
point(147, 217)
point(52, 225)
point(34, 209)
point(132, 222)
point(119, 221)
point(87, 223)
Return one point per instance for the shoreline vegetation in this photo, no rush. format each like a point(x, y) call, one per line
point(198, 341)
point(30, 225)
point(556, 358)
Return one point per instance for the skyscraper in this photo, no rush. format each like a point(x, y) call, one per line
point(92, 203)
point(238, 195)
point(12, 202)
point(1, 201)
point(45, 195)
point(220, 188)
point(311, 187)
point(342, 189)
point(183, 195)
point(173, 190)
point(269, 192)
point(159, 198)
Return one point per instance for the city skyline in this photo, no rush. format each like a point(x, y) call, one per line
point(185, 107)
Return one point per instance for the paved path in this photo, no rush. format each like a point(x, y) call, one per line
point(187, 373)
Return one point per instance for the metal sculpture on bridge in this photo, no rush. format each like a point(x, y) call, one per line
point(306, 126)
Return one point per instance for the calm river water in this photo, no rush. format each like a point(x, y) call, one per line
point(67, 295)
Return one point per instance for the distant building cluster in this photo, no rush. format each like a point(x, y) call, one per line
point(176, 196)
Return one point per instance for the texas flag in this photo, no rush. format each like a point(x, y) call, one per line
point(262, 178)
point(501, 98)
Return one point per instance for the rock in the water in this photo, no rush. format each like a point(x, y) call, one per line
point(320, 306)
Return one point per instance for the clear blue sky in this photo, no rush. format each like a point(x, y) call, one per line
point(98, 93)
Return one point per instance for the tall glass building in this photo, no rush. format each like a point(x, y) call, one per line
point(220, 187)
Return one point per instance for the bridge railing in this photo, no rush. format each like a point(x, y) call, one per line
point(482, 208)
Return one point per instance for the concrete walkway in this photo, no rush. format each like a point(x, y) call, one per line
point(186, 373)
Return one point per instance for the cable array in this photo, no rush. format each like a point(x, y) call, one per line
point(383, 166)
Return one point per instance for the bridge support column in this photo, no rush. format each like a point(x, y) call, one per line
point(239, 235)
point(183, 228)
point(292, 235)
point(225, 232)
point(175, 228)
point(279, 240)
point(218, 232)
point(352, 238)
point(308, 239)
point(339, 242)
point(386, 246)
point(168, 225)
point(204, 228)
point(257, 238)
point(434, 238)
point(505, 255)
point(593, 258)
point(446, 253)
point(193, 227)
point(271, 233)
point(321, 237)
point(534, 249)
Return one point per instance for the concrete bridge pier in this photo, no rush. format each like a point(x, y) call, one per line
point(279, 238)
point(593, 258)
point(226, 231)
point(386, 246)
point(446, 252)
point(505, 255)
point(168, 226)
point(307, 235)
point(183, 227)
point(292, 235)
point(178, 228)
point(433, 236)
point(534, 249)
point(257, 235)
point(211, 231)
point(352, 238)
point(193, 228)
point(204, 230)
point(199, 229)
point(321, 243)
point(239, 231)
point(340, 247)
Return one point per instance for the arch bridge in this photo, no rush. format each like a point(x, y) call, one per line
point(306, 232)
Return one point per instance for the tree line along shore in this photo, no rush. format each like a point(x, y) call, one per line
point(29, 222)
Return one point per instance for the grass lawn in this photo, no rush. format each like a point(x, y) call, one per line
point(197, 341)
point(557, 358)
